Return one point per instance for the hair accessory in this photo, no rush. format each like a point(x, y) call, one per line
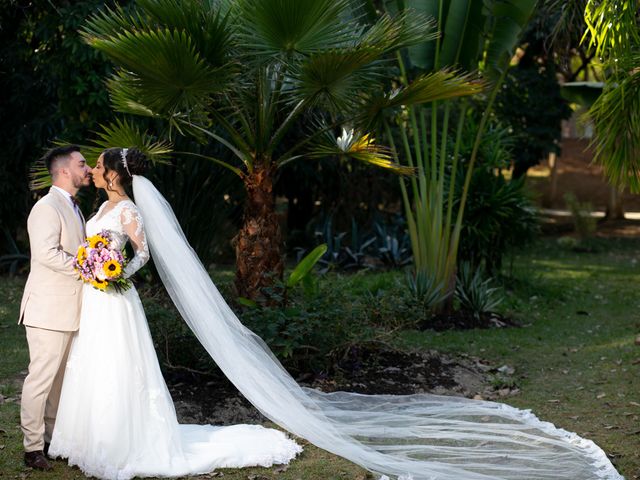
point(123, 154)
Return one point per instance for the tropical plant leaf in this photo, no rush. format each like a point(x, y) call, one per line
point(121, 133)
point(358, 146)
point(305, 265)
point(162, 70)
point(405, 29)
point(612, 26)
point(206, 23)
point(109, 22)
point(507, 18)
point(288, 27)
point(336, 79)
point(616, 116)
point(440, 85)
point(463, 29)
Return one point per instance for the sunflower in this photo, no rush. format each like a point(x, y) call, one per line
point(99, 284)
point(82, 254)
point(112, 268)
point(96, 240)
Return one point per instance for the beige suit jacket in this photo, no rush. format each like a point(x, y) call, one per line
point(52, 295)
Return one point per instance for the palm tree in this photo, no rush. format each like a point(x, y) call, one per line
point(613, 31)
point(245, 73)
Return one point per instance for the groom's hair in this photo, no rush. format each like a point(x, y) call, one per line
point(58, 155)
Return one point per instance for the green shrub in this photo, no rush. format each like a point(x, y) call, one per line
point(310, 334)
point(475, 294)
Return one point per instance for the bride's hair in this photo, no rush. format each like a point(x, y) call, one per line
point(137, 163)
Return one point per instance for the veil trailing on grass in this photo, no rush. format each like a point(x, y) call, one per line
point(406, 437)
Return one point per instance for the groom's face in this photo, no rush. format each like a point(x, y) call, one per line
point(79, 171)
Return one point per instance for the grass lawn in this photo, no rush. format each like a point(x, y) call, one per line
point(575, 358)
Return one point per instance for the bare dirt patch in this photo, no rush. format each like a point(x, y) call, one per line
point(369, 370)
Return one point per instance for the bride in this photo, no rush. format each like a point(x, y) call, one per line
point(116, 418)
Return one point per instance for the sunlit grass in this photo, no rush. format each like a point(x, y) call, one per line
point(574, 355)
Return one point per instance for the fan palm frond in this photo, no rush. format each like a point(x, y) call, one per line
point(336, 79)
point(402, 30)
point(121, 133)
point(440, 85)
point(287, 27)
point(109, 22)
point(162, 71)
point(206, 22)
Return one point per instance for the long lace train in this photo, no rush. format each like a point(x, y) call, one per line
point(415, 436)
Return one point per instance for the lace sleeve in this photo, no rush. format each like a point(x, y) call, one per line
point(134, 229)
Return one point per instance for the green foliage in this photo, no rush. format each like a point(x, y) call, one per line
point(273, 61)
point(304, 267)
point(192, 188)
point(475, 294)
point(383, 244)
point(614, 36)
point(612, 28)
point(500, 215)
point(499, 218)
point(51, 87)
point(530, 103)
point(119, 132)
point(277, 62)
point(477, 34)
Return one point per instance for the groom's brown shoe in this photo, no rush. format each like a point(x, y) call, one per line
point(37, 460)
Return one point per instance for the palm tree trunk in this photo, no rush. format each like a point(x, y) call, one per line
point(258, 257)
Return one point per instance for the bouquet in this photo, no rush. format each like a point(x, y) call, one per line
point(100, 264)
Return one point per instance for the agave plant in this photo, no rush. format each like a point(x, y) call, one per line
point(245, 73)
point(475, 294)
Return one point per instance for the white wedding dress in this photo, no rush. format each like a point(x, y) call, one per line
point(116, 419)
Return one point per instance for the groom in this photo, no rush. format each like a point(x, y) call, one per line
point(50, 308)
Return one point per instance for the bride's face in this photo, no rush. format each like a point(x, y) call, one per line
point(98, 174)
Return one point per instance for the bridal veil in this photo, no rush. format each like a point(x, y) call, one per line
point(406, 437)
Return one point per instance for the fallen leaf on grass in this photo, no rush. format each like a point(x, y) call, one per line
point(553, 400)
point(601, 395)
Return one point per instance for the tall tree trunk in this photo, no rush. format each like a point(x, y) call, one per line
point(550, 200)
point(258, 243)
point(615, 209)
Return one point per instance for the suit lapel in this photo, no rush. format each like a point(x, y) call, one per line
point(71, 218)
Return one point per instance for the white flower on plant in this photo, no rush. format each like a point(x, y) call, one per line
point(344, 141)
point(349, 142)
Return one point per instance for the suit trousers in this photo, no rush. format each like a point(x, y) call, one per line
point(48, 351)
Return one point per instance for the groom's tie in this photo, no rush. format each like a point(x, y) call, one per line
point(76, 208)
